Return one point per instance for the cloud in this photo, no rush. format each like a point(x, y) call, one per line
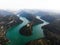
point(30, 4)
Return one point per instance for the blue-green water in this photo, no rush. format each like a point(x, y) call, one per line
point(17, 39)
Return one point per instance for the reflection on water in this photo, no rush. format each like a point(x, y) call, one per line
point(17, 39)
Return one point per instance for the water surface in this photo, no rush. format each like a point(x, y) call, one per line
point(17, 39)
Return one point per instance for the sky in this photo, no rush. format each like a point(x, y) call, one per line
point(53, 5)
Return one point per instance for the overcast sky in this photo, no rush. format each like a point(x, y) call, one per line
point(53, 5)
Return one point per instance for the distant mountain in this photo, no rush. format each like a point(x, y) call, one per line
point(47, 16)
point(5, 12)
point(32, 18)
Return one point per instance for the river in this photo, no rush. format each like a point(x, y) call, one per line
point(17, 39)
